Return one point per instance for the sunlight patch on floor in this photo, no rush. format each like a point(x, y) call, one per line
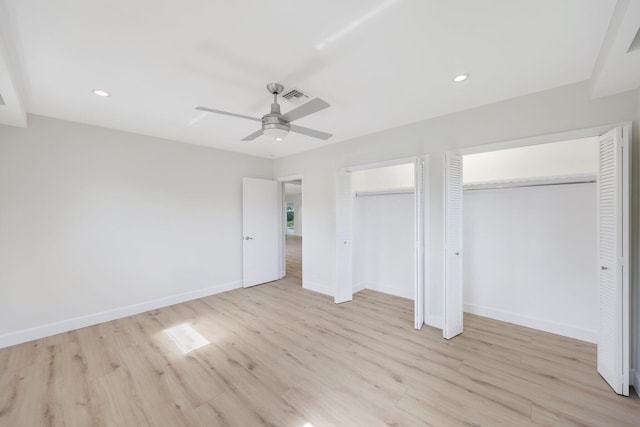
point(186, 338)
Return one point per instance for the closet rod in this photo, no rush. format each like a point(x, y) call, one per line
point(383, 193)
point(545, 184)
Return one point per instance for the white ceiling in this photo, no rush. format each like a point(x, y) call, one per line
point(380, 64)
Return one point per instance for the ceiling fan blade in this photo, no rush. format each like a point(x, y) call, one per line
point(310, 132)
point(226, 113)
point(313, 106)
point(252, 136)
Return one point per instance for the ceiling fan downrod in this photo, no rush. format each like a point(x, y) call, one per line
point(272, 124)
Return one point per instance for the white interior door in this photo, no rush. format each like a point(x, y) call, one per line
point(453, 302)
point(419, 216)
point(613, 256)
point(344, 272)
point(261, 211)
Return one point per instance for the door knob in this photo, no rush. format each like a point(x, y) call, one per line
point(457, 253)
point(603, 267)
point(248, 238)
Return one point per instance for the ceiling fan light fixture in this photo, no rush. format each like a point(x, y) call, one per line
point(276, 130)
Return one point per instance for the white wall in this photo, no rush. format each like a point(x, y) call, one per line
point(97, 223)
point(575, 157)
point(383, 258)
point(296, 199)
point(558, 110)
point(530, 257)
point(516, 240)
point(383, 178)
point(383, 244)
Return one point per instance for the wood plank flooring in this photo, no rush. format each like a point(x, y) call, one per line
point(294, 259)
point(283, 356)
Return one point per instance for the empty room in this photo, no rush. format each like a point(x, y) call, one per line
point(308, 214)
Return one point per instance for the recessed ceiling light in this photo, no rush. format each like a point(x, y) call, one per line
point(101, 92)
point(278, 139)
point(460, 78)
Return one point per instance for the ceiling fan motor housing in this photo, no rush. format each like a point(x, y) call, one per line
point(273, 125)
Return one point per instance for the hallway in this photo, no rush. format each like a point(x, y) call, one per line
point(294, 259)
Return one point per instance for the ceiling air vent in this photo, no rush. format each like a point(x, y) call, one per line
point(1, 100)
point(295, 96)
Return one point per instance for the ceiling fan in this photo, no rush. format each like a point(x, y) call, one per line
point(279, 125)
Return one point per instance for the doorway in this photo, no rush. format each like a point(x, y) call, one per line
point(381, 232)
point(612, 262)
point(530, 236)
point(292, 228)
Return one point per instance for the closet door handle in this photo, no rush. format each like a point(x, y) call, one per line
point(602, 267)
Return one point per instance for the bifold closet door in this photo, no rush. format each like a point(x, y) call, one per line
point(453, 303)
point(344, 251)
point(613, 255)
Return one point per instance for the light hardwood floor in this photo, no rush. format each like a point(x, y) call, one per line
point(283, 356)
point(294, 259)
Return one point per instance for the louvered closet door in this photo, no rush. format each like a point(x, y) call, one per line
point(344, 275)
point(453, 304)
point(611, 269)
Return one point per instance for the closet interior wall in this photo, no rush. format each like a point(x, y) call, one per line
point(383, 230)
point(530, 237)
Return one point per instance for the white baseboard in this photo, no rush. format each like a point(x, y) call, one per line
point(381, 287)
point(359, 287)
point(317, 287)
point(532, 322)
point(24, 335)
point(392, 290)
point(434, 321)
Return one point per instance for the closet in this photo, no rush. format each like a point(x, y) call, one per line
point(530, 236)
